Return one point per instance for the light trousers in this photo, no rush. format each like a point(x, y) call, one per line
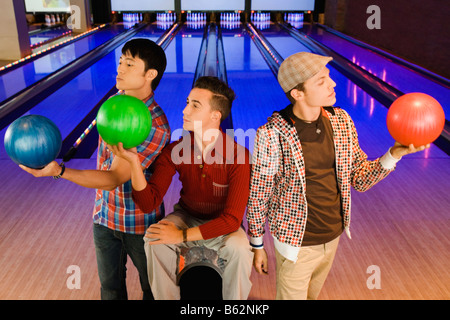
point(234, 248)
point(304, 278)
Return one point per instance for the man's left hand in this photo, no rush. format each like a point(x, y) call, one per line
point(164, 232)
point(399, 150)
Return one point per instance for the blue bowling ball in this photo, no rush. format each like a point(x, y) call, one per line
point(33, 141)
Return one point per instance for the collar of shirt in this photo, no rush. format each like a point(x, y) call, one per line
point(148, 101)
point(222, 148)
point(199, 143)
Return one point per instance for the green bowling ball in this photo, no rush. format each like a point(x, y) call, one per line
point(125, 119)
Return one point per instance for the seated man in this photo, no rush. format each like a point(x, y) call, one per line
point(215, 174)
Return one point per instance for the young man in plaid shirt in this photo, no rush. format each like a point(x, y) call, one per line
point(119, 225)
point(305, 159)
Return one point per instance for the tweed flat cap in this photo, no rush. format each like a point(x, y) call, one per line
point(299, 67)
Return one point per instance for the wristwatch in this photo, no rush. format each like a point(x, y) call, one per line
point(63, 168)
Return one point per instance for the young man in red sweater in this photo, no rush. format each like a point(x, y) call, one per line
point(215, 175)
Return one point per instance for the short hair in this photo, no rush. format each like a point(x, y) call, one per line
point(152, 54)
point(223, 95)
point(299, 87)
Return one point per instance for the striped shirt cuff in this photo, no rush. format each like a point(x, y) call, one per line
point(257, 242)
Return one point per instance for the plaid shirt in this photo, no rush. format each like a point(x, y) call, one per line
point(278, 183)
point(116, 209)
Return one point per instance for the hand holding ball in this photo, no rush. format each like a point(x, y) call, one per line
point(415, 118)
point(33, 141)
point(125, 119)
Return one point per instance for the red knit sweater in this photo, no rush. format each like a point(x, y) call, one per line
point(215, 188)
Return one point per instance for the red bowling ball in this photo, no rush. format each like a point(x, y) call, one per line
point(415, 118)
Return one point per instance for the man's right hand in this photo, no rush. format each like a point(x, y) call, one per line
point(50, 170)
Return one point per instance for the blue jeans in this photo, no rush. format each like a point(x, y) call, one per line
point(112, 248)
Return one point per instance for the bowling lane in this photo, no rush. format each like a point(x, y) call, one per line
point(398, 76)
point(257, 91)
point(368, 114)
point(19, 78)
point(47, 34)
point(53, 42)
point(67, 106)
point(175, 85)
point(70, 104)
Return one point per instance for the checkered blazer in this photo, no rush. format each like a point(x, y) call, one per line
point(278, 183)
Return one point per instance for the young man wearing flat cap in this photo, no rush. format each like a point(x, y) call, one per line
point(305, 159)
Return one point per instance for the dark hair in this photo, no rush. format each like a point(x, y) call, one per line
point(299, 87)
point(223, 95)
point(152, 54)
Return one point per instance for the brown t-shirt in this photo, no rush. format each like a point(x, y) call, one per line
point(324, 222)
